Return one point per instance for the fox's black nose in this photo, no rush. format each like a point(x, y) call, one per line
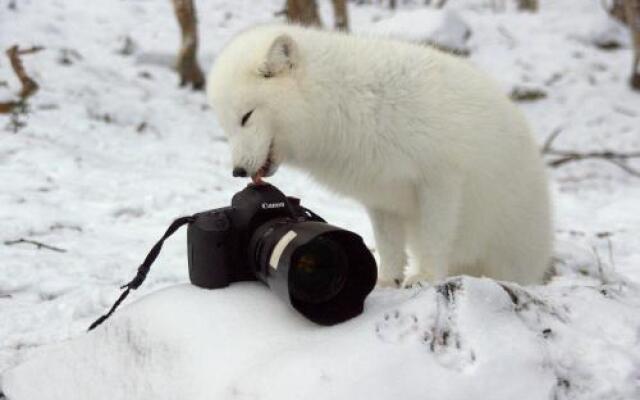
point(239, 171)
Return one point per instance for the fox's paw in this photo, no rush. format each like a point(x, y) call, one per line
point(417, 280)
point(393, 283)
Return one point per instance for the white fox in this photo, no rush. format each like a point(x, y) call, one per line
point(443, 162)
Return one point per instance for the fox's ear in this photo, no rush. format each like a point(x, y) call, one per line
point(281, 57)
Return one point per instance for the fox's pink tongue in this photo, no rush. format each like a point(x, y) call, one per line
point(257, 178)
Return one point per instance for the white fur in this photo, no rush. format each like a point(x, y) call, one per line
point(442, 160)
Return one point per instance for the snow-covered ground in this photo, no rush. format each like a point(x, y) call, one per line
point(112, 150)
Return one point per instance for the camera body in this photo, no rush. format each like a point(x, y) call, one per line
point(218, 239)
point(323, 271)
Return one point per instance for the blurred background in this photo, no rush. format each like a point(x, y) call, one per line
point(106, 135)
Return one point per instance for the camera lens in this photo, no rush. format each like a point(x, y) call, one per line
point(318, 270)
point(324, 272)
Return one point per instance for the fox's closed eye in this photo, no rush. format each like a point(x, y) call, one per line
point(245, 118)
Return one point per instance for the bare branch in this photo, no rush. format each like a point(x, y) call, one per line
point(547, 143)
point(29, 86)
point(7, 107)
point(39, 245)
point(625, 167)
point(30, 50)
point(504, 32)
point(562, 157)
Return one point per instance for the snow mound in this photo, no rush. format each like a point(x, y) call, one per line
point(442, 28)
point(465, 338)
point(603, 32)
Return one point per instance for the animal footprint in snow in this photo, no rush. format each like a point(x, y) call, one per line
point(395, 327)
point(443, 337)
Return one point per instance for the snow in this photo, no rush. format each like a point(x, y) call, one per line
point(112, 150)
point(444, 28)
point(609, 32)
point(453, 341)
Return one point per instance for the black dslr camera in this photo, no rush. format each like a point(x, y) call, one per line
point(323, 271)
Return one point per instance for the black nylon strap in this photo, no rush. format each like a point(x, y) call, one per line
point(143, 269)
point(314, 216)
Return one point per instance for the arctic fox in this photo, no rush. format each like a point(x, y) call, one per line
point(443, 162)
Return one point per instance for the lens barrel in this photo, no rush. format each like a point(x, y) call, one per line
point(323, 271)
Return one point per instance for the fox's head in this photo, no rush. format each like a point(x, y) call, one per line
point(253, 89)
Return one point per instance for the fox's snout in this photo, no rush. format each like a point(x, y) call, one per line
point(239, 172)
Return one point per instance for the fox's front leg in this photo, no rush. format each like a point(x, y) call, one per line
point(432, 232)
point(389, 233)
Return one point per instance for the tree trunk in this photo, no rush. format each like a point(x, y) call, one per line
point(440, 3)
point(187, 64)
point(632, 15)
point(528, 5)
point(616, 10)
point(341, 16)
point(304, 12)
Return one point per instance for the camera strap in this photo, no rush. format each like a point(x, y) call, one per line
point(143, 269)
